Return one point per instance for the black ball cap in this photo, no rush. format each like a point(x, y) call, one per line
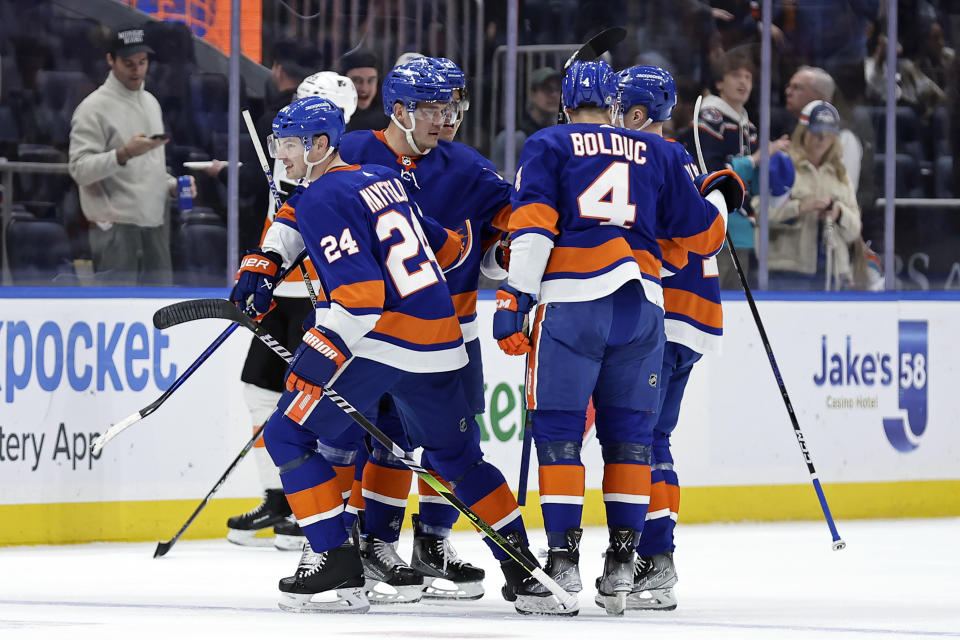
point(127, 41)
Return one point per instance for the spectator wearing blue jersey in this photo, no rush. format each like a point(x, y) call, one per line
point(729, 139)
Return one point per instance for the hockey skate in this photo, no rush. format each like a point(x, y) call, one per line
point(563, 566)
point(653, 580)
point(271, 511)
point(445, 575)
point(288, 536)
point(616, 583)
point(328, 582)
point(390, 580)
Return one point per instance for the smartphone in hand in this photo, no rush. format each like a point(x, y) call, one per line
point(160, 136)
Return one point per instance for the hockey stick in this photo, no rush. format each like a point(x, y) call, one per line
point(164, 547)
point(838, 543)
point(568, 601)
point(115, 429)
point(277, 201)
point(591, 50)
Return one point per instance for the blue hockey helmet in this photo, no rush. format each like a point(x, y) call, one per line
point(453, 73)
point(589, 83)
point(308, 117)
point(649, 86)
point(416, 81)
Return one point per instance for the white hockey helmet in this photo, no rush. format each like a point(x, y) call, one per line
point(330, 85)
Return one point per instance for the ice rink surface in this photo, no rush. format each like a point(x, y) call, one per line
point(895, 579)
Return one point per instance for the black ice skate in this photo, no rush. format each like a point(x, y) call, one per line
point(328, 582)
point(562, 566)
point(288, 536)
point(616, 583)
point(445, 575)
point(272, 511)
point(390, 580)
point(653, 581)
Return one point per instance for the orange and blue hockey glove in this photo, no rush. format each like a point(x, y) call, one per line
point(253, 292)
point(509, 320)
point(318, 358)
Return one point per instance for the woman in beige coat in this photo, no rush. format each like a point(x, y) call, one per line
point(821, 218)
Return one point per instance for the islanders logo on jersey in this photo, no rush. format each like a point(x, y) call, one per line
point(855, 376)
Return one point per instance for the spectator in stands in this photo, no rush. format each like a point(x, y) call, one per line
point(117, 160)
point(729, 139)
point(363, 67)
point(821, 214)
point(914, 88)
point(543, 101)
point(292, 62)
point(934, 59)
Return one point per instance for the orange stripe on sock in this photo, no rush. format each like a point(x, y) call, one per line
point(315, 500)
point(659, 496)
point(393, 483)
point(562, 480)
point(496, 505)
point(345, 477)
point(356, 496)
point(426, 490)
point(633, 479)
point(673, 491)
point(259, 443)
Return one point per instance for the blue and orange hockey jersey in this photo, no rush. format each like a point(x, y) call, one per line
point(691, 293)
point(388, 299)
point(457, 187)
point(591, 201)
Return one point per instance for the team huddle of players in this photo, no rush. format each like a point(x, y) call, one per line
point(399, 224)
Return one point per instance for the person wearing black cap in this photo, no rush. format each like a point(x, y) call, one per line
point(117, 160)
point(363, 67)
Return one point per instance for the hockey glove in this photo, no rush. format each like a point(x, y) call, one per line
point(509, 320)
point(256, 279)
point(727, 183)
point(316, 361)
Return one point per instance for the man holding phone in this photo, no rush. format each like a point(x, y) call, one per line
point(117, 161)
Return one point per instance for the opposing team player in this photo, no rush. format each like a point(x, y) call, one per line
point(388, 325)
point(262, 373)
point(693, 323)
point(590, 202)
point(456, 186)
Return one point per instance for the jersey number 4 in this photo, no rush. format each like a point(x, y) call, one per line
point(608, 198)
point(411, 243)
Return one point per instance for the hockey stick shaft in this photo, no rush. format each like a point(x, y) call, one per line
point(277, 201)
point(164, 547)
point(838, 543)
point(117, 428)
point(567, 600)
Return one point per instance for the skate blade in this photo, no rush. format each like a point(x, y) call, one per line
point(347, 600)
point(288, 543)
point(614, 604)
point(652, 600)
point(249, 537)
point(443, 589)
point(382, 593)
point(547, 605)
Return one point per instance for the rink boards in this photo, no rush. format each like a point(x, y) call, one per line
point(872, 381)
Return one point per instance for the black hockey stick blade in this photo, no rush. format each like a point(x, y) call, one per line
point(591, 50)
point(162, 548)
point(190, 310)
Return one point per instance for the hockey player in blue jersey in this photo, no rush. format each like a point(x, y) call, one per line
point(590, 203)
point(387, 325)
point(457, 187)
point(693, 324)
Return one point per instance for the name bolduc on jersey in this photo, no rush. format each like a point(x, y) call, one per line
point(387, 297)
point(591, 202)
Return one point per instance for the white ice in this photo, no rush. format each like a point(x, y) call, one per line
point(895, 579)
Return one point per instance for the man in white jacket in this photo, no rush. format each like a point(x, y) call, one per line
point(117, 160)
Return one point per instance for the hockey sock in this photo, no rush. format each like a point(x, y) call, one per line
point(386, 486)
point(436, 514)
point(355, 502)
point(485, 491)
point(261, 403)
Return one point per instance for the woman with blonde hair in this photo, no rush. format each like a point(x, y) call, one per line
point(811, 231)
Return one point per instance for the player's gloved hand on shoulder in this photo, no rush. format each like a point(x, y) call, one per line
point(727, 183)
point(253, 292)
point(509, 318)
point(316, 361)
